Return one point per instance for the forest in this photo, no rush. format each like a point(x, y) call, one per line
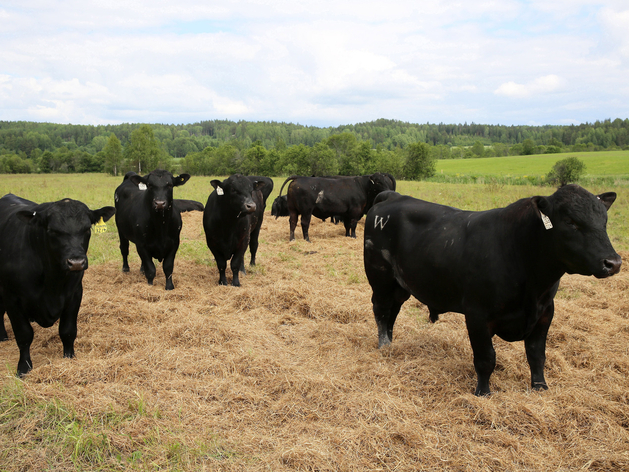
point(221, 147)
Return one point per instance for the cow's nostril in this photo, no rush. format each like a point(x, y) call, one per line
point(613, 265)
point(75, 264)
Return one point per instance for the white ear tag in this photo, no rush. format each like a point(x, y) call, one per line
point(546, 221)
point(219, 191)
point(142, 186)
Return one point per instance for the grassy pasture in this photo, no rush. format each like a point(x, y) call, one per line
point(609, 166)
point(284, 373)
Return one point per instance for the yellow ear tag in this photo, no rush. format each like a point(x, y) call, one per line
point(100, 227)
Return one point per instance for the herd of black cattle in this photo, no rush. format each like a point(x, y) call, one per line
point(500, 268)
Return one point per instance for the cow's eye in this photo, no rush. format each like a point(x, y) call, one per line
point(572, 224)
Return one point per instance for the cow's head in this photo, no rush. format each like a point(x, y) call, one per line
point(577, 226)
point(234, 194)
point(64, 230)
point(377, 183)
point(280, 207)
point(159, 187)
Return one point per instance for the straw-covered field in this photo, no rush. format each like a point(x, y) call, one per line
point(284, 373)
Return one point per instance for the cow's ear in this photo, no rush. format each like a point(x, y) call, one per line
point(607, 198)
point(544, 210)
point(258, 184)
point(541, 203)
point(217, 185)
point(105, 213)
point(137, 179)
point(181, 179)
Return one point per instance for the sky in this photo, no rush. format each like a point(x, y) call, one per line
point(317, 63)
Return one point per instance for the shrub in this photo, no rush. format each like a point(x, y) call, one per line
point(565, 171)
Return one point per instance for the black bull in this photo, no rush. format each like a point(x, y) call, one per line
point(43, 254)
point(349, 198)
point(148, 216)
point(232, 220)
point(500, 268)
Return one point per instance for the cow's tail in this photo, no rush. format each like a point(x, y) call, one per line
point(292, 177)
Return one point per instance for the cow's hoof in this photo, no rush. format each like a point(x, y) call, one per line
point(125, 269)
point(539, 386)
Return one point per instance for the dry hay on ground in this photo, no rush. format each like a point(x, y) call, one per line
point(284, 373)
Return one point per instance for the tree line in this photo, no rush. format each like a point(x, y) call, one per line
point(221, 147)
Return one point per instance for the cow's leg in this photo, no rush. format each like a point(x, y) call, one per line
point(350, 225)
point(292, 220)
point(168, 266)
point(305, 225)
point(236, 264)
point(387, 299)
point(347, 222)
point(124, 250)
point(484, 354)
point(221, 265)
point(147, 264)
point(388, 296)
point(23, 332)
point(353, 228)
point(253, 244)
point(386, 307)
point(67, 325)
point(3, 332)
point(535, 345)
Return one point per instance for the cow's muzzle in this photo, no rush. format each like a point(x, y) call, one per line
point(77, 263)
point(160, 205)
point(611, 265)
point(250, 207)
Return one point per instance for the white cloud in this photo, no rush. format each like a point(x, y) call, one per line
point(541, 85)
point(328, 62)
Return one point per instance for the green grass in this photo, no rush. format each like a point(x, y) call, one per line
point(598, 164)
point(98, 442)
point(97, 190)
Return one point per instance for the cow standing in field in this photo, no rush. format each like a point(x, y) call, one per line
point(265, 186)
point(500, 268)
point(232, 220)
point(43, 255)
point(346, 197)
point(147, 215)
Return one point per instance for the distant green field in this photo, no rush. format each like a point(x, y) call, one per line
point(97, 190)
point(598, 164)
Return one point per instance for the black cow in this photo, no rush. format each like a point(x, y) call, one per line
point(500, 268)
point(346, 197)
point(392, 182)
point(280, 207)
point(266, 185)
point(43, 252)
point(232, 220)
point(147, 215)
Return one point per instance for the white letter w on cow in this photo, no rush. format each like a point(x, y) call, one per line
point(379, 220)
